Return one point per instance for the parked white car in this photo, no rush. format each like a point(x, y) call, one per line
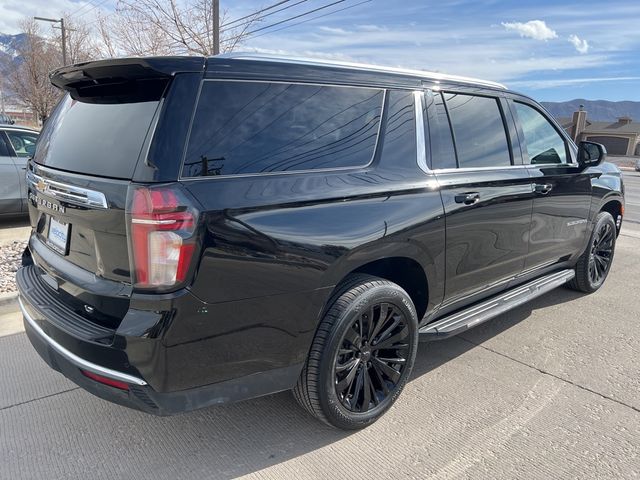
point(17, 145)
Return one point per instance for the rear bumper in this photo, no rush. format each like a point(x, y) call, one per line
point(140, 395)
point(173, 352)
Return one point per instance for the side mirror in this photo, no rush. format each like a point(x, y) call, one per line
point(591, 154)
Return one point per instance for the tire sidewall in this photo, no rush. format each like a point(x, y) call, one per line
point(603, 218)
point(388, 293)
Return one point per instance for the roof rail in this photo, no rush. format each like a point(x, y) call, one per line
point(359, 66)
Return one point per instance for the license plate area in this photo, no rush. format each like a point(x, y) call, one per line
point(58, 236)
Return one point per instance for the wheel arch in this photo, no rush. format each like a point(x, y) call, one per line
point(615, 206)
point(405, 271)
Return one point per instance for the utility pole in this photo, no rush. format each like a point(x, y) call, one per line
point(216, 27)
point(64, 34)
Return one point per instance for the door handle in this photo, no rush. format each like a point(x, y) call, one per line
point(542, 188)
point(468, 198)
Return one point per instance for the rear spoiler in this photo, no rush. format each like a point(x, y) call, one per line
point(115, 77)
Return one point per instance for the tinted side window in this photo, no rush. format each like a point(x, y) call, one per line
point(253, 127)
point(443, 154)
point(399, 139)
point(478, 127)
point(543, 143)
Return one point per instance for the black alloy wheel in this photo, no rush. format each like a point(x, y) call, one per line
point(594, 264)
point(373, 354)
point(601, 253)
point(362, 353)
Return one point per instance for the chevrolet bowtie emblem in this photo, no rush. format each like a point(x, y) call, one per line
point(41, 186)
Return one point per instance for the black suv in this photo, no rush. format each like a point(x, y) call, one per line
point(210, 230)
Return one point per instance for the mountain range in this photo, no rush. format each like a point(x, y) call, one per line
point(597, 110)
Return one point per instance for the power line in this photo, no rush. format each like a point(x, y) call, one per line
point(81, 7)
point(92, 8)
point(285, 20)
point(305, 21)
point(256, 13)
point(254, 18)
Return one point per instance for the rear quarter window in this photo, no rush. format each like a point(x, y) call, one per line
point(260, 127)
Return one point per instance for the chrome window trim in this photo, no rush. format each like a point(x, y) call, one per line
point(479, 169)
point(293, 172)
point(293, 60)
point(67, 193)
point(421, 142)
point(75, 359)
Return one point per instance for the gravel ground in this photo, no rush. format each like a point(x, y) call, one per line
point(9, 261)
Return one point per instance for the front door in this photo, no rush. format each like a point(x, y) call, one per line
point(486, 193)
point(562, 190)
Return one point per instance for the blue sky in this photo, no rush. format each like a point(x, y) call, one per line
point(550, 50)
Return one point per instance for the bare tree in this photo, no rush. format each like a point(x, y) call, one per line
point(28, 77)
point(167, 27)
point(81, 44)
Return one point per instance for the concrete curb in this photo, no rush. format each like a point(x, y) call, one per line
point(9, 299)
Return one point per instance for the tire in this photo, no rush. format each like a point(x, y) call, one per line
point(349, 380)
point(594, 264)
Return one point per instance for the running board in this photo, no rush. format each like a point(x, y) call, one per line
point(486, 310)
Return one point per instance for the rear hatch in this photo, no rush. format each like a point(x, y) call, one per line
point(90, 151)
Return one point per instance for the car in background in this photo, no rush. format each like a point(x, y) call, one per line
point(6, 119)
point(17, 145)
point(638, 165)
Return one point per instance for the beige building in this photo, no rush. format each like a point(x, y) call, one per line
point(620, 138)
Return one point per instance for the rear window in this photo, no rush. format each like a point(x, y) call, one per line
point(103, 139)
point(260, 127)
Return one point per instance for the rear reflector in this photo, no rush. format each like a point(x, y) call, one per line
point(105, 381)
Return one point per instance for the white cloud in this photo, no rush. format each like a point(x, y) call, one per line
point(580, 43)
point(536, 29)
point(372, 28)
point(12, 12)
point(334, 30)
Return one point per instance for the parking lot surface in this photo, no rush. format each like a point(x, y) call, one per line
point(549, 390)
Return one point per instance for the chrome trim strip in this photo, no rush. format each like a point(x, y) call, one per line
point(421, 142)
point(76, 360)
point(145, 221)
point(68, 193)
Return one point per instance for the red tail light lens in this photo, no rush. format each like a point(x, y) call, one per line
point(162, 235)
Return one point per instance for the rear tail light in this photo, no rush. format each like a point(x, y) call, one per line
point(162, 227)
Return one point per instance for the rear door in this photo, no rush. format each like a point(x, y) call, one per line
point(10, 184)
point(485, 190)
point(562, 190)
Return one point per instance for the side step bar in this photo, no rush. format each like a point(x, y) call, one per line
point(486, 310)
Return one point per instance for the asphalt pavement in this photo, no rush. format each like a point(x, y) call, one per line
point(549, 390)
